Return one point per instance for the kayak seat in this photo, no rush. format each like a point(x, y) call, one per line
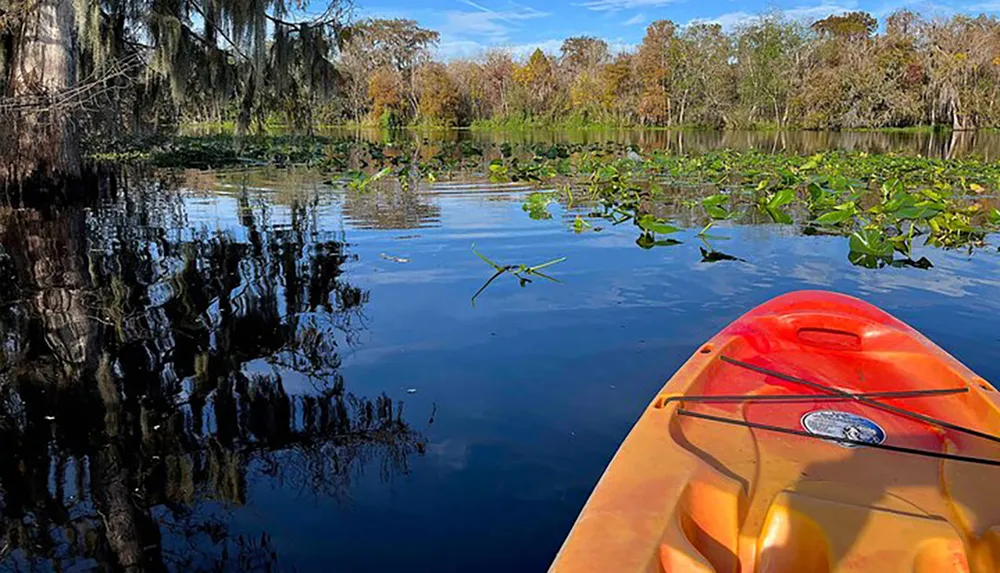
point(804, 533)
point(709, 515)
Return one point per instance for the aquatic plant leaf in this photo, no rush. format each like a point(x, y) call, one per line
point(820, 197)
point(834, 217)
point(813, 162)
point(924, 211)
point(871, 241)
point(994, 217)
point(891, 187)
point(486, 284)
point(717, 213)
point(517, 271)
point(781, 198)
point(498, 171)
point(539, 213)
point(361, 182)
point(897, 202)
point(652, 224)
point(536, 268)
point(867, 261)
point(779, 216)
point(714, 200)
point(488, 261)
point(537, 205)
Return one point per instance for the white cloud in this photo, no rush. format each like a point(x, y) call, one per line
point(810, 14)
point(729, 21)
point(635, 20)
point(469, 33)
point(619, 45)
point(461, 49)
point(616, 5)
point(486, 22)
point(805, 14)
point(930, 10)
point(550, 47)
point(553, 47)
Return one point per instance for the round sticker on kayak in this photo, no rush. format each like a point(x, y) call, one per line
point(836, 424)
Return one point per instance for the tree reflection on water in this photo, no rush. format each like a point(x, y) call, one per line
point(143, 373)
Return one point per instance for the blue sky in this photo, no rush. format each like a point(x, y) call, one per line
point(468, 27)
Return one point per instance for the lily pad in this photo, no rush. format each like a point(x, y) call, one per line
point(872, 242)
point(652, 224)
point(835, 217)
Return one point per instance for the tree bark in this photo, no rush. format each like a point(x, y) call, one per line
point(960, 121)
point(245, 117)
point(680, 117)
point(42, 141)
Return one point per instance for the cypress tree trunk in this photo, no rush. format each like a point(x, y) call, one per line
point(960, 121)
point(41, 140)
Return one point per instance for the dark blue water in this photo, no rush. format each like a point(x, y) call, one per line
point(251, 373)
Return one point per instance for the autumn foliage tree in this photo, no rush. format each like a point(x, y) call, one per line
point(581, 63)
point(539, 91)
point(385, 89)
point(438, 96)
point(619, 88)
point(838, 72)
point(393, 50)
point(654, 66)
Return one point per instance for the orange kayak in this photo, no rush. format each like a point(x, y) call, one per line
point(814, 434)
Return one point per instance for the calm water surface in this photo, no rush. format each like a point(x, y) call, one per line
point(984, 144)
point(258, 371)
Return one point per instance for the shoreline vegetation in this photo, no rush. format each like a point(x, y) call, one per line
point(342, 149)
point(847, 71)
point(68, 76)
point(276, 128)
point(885, 204)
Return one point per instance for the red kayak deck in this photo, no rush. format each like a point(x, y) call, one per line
point(815, 433)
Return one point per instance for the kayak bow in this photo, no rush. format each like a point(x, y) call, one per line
point(816, 433)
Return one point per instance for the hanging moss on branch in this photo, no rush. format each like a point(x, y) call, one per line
point(113, 67)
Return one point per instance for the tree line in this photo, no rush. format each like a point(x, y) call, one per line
point(109, 69)
point(844, 71)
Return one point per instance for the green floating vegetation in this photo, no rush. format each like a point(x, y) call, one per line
point(537, 205)
point(884, 203)
point(362, 182)
point(523, 273)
